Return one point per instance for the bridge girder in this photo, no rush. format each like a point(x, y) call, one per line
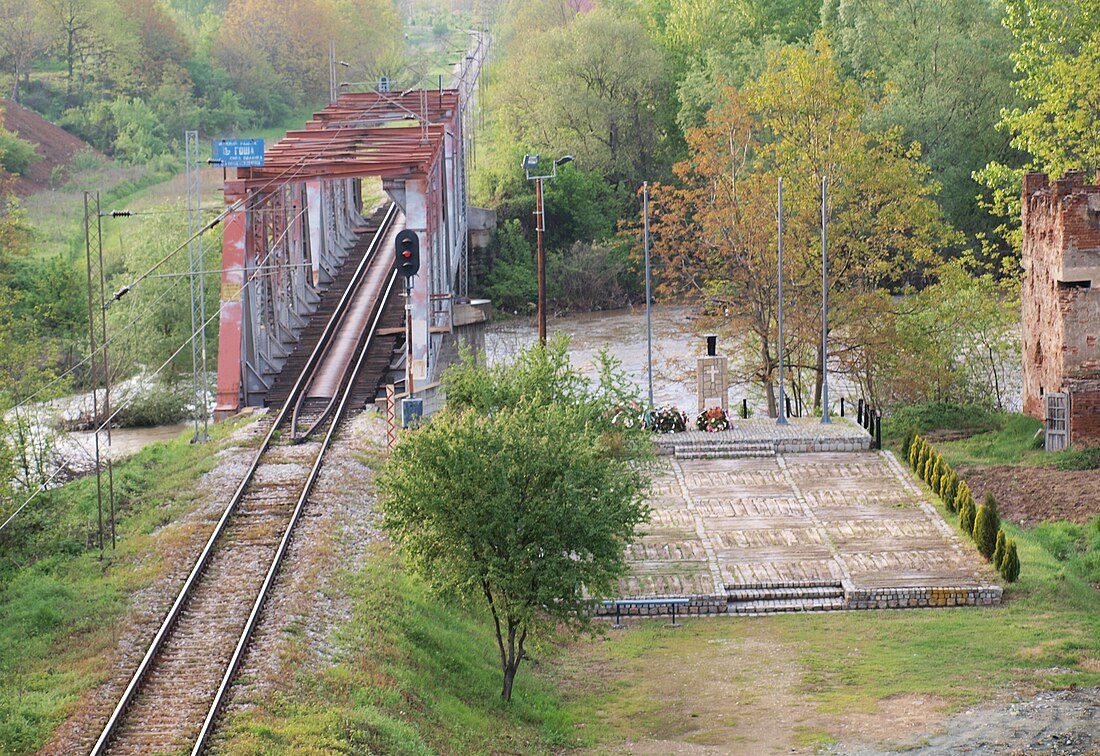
point(294, 219)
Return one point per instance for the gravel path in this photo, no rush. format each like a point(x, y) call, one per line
point(1065, 722)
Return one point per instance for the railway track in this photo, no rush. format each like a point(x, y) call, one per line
point(175, 696)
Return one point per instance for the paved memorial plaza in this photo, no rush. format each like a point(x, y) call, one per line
point(795, 523)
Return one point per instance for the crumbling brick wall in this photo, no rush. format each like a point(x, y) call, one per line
point(1061, 297)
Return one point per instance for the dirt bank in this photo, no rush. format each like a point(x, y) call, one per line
point(1031, 495)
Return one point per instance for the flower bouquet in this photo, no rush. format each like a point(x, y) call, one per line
point(627, 415)
point(666, 419)
point(712, 420)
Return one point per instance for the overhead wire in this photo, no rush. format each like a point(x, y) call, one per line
point(296, 169)
point(125, 403)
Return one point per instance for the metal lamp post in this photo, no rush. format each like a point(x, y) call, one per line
point(531, 164)
point(824, 308)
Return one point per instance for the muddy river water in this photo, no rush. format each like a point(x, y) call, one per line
point(676, 345)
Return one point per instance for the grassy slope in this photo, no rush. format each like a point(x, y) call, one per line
point(413, 675)
point(59, 604)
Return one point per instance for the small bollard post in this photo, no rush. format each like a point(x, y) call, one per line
point(744, 409)
point(878, 430)
point(842, 406)
point(859, 417)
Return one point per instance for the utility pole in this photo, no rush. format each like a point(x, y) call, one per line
point(97, 360)
point(648, 298)
point(539, 215)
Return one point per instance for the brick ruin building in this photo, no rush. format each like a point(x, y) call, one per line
point(1061, 306)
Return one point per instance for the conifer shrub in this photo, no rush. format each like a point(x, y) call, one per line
point(1010, 564)
point(962, 495)
point(950, 494)
point(986, 524)
point(914, 451)
point(999, 549)
point(945, 481)
point(907, 442)
point(966, 516)
point(937, 472)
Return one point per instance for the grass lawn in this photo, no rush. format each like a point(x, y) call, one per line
point(796, 681)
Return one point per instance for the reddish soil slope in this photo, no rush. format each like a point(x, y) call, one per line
point(55, 146)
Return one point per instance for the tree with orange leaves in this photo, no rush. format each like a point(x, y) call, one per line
point(715, 235)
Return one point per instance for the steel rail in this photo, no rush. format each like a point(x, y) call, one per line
point(302, 398)
point(130, 693)
point(257, 608)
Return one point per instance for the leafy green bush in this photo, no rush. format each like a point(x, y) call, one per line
point(914, 451)
point(512, 283)
point(907, 442)
point(1010, 564)
point(156, 405)
point(925, 453)
point(16, 155)
point(88, 160)
point(962, 496)
point(937, 471)
point(1080, 459)
point(986, 525)
point(971, 418)
point(945, 481)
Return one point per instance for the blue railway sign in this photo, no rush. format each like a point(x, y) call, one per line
point(238, 153)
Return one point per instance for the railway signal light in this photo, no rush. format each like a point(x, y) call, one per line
point(407, 253)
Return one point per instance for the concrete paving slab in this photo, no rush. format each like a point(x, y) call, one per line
point(854, 519)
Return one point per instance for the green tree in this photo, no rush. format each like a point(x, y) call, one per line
point(16, 155)
point(966, 516)
point(597, 88)
point(513, 497)
point(511, 281)
point(23, 36)
point(943, 69)
point(999, 550)
point(1057, 66)
point(800, 120)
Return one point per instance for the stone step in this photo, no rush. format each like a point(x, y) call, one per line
point(693, 452)
point(772, 584)
point(784, 594)
point(779, 606)
point(702, 447)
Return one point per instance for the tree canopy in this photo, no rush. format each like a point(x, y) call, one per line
point(517, 495)
point(717, 233)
